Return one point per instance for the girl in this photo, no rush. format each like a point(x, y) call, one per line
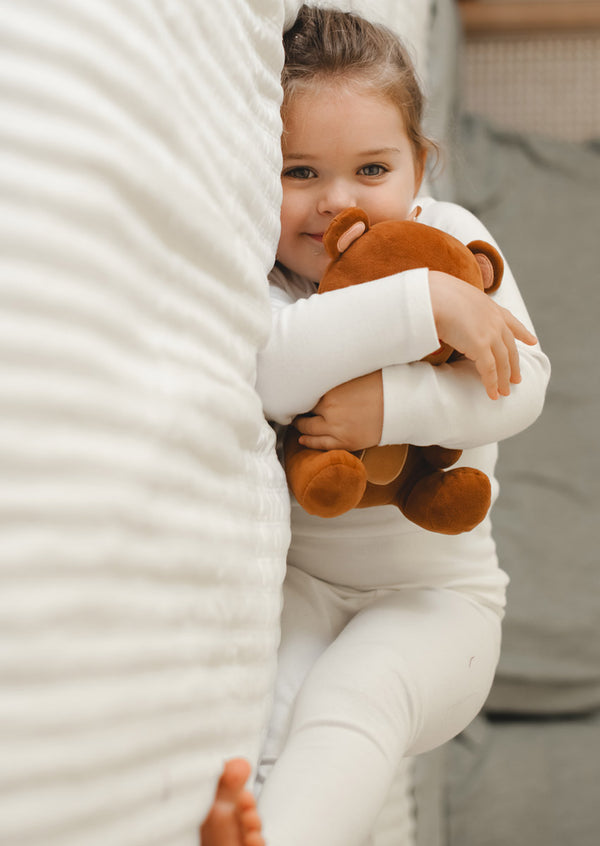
point(390, 634)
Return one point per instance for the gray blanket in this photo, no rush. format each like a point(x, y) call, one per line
point(541, 199)
point(527, 770)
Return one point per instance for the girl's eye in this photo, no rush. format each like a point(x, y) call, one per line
point(299, 173)
point(373, 170)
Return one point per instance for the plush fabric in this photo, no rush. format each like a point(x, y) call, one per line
point(540, 198)
point(415, 479)
point(144, 515)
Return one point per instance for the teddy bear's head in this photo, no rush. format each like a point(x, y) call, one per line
point(360, 253)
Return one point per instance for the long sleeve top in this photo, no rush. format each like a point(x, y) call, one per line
point(321, 340)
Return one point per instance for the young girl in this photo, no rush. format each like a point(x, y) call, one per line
point(390, 634)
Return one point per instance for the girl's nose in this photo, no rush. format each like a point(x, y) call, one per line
point(336, 197)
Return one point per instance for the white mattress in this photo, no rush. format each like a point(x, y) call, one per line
point(143, 514)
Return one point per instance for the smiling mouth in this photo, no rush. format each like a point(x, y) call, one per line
point(316, 236)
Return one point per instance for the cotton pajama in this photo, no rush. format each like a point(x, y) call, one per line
point(365, 677)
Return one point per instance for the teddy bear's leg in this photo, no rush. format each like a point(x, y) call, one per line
point(441, 457)
point(326, 484)
point(449, 502)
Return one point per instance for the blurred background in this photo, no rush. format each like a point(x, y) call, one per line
point(534, 65)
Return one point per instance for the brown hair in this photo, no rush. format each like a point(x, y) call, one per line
point(324, 44)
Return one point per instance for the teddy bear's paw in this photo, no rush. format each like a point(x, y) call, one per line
point(334, 484)
point(449, 502)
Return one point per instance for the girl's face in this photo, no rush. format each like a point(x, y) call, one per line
point(342, 146)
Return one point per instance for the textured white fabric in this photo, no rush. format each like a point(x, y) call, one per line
point(144, 518)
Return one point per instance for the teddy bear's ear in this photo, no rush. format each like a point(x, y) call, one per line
point(490, 264)
point(344, 229)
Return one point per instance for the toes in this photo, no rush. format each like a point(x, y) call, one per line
point(250, 820)
point(246, 801)
point(234, 777)
point(233, 819)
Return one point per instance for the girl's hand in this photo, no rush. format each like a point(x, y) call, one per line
point(479, 328)
point(349, 416)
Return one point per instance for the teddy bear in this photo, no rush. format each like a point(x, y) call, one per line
point(418, 480)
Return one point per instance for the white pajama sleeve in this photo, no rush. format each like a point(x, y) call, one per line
point(448, 405)
point(324, 340)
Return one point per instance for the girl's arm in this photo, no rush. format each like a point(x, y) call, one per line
point(420, 404)
point(322, 340)
point(446, 405)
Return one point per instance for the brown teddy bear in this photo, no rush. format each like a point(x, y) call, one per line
point(329, 483)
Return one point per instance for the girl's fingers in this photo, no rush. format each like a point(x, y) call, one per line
point(315, 433)
point(504, 368)
point(499, 366)
point(519, 330)
point(515, 366)
point(309, 425)
point(486, 367)
point(508, 363)
point(319, 442)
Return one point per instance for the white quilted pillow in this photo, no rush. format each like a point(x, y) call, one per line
point(143, 513)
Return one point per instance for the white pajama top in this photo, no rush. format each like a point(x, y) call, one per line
point(319, 341)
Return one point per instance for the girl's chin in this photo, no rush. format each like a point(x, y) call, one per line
point(311, 266)
point(315, 273)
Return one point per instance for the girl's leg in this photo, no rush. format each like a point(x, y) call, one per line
point(312, 617)
point(407, 673)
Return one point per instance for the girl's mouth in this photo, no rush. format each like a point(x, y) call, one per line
point(316, 236)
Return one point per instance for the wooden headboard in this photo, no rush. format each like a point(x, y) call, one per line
point(520, 16)
point(532, 65)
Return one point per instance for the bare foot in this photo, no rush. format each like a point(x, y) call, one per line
point(233, 819)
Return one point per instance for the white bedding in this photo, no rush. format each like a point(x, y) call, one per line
point(143, 513)
point(144, 518)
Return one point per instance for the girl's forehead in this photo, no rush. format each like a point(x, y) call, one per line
point(322, 87)
point(324, 107)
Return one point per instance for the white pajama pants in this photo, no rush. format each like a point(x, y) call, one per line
point(364, 678)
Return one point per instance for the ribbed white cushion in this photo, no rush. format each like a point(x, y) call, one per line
point(143, 516)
